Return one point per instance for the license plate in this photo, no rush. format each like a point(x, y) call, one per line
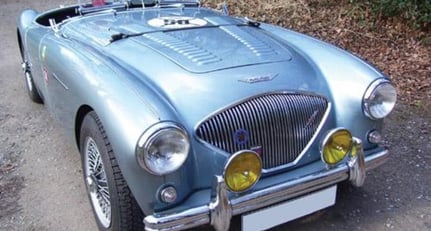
point(290, 210)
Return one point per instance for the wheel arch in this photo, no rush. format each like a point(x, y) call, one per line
point(79, 118)
point(20, 45)
point(25, 20)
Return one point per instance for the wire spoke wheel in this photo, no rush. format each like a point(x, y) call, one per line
point(97, 182)
point(113, 204)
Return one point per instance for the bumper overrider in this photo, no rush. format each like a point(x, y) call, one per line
point(220, 210)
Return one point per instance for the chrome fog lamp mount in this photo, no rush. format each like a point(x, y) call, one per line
point(379, 99)
point(163, 148)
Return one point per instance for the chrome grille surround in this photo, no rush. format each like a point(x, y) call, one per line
point(278, 125)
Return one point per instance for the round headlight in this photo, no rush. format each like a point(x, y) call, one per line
point(336, 145)
point(379, 99)
point(242, 171)
point(163, 148)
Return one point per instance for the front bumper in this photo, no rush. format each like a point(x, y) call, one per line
point(219, 212)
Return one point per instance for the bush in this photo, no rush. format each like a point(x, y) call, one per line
point(417, 11)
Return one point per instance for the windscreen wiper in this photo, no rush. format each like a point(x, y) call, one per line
point(121, 35)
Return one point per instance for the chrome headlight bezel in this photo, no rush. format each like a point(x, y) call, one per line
point(379, 99)
point(166, 137)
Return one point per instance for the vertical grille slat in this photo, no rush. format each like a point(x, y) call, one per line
point(281, 124)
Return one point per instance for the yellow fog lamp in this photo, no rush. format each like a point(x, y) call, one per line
point(336, 145)
point(242, 171)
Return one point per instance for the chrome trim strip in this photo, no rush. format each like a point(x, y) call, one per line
point(207, 214)
point(179, 221)
point(374, 161)
point(60, 82)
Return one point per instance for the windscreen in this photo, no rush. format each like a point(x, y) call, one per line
point(98, 3)
point(91, 6)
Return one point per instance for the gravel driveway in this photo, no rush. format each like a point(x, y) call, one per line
point(41, 186)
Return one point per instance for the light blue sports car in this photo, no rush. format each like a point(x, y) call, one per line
point(186, 116)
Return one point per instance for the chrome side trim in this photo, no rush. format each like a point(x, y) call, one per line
point(206, 214)
point(60, 82)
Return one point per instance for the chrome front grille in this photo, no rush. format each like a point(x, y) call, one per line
point(277, 126)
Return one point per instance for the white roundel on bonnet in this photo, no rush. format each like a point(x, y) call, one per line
point(173, 22)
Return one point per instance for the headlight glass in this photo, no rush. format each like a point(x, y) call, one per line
point(242, 170)
point(163, 148)
point(379, 99)
point(336, 145)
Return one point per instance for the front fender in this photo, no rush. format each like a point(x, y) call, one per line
point(82, 77)
point(346, 75)
point(25, 20)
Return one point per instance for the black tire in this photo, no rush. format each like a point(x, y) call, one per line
point(33, 93)
point(125, 213)
point(31, 88)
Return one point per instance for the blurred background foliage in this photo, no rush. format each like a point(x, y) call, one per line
point(394, 35)
point(418, 12)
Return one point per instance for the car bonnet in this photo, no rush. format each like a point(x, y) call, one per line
point(198, 40)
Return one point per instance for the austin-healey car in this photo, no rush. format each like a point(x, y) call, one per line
point(186, 116)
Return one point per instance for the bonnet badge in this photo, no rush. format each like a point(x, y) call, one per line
point(260, 78)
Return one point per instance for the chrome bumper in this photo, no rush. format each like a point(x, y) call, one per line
point(219, 212)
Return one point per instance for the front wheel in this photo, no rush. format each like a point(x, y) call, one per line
point(113, 204)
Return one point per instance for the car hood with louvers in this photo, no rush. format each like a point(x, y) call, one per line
point(211, 49)
point(219, 43)
point(226, 81)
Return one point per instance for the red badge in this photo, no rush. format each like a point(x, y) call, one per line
point(45, 75)
point(258, 150)
point(98, 2)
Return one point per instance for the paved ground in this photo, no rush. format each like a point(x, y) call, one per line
point(41, 187)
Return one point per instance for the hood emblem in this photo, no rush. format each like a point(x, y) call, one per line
point(257, 79)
